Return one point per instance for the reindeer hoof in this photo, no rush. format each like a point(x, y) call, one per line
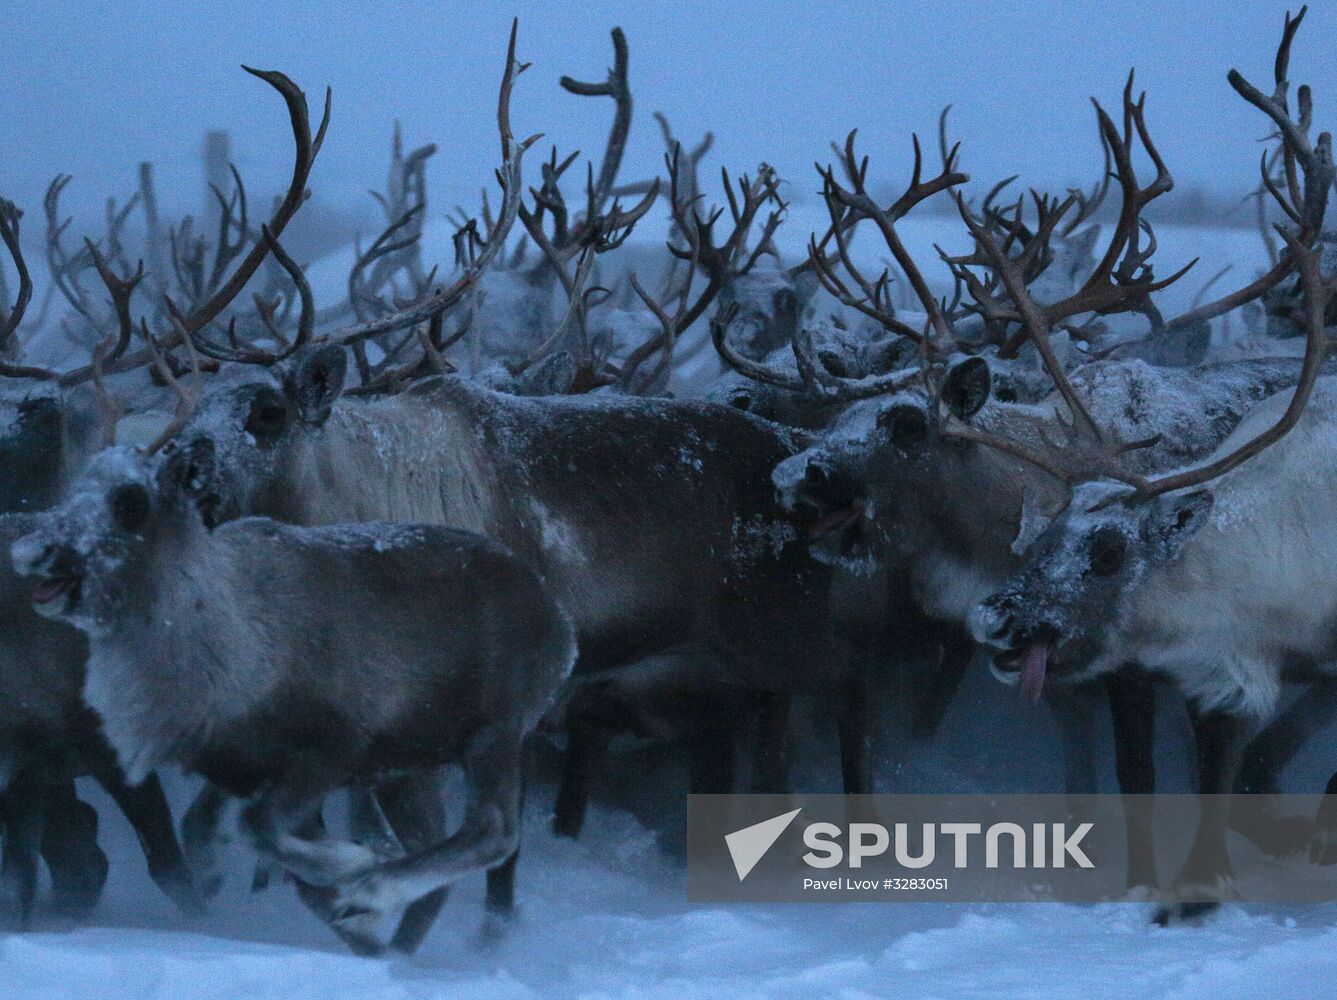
point(365, 900)
point(1195, 898)
point(1171, 914)
point(356, 930)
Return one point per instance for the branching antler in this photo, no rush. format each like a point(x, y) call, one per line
point(722, 262)
point(475, 260)
point(1318, 290)
point(848, 206)
point(187, 326)
point(13, 315)
point(1122, 279)
point(248, 353)
point(1308, 171)
point(396, 248)
point(615, 87)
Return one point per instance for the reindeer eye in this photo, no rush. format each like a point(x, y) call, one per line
point(267, 418)
point(129, 505)
point(1108, 549)
point(741, 401)
point(907, 425)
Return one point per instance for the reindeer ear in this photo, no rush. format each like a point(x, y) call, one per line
point(965, 390)
point(1036, 517)
point(314, 380)
point(1173, 521)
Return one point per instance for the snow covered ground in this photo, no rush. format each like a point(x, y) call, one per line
point(608, 917)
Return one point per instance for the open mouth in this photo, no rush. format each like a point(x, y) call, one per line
point(52, 588)
point(836, 521)
point(1030, 664)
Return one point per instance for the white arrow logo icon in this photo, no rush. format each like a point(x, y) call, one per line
point(750, 844)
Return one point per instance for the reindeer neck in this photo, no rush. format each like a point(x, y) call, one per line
point(404, 459)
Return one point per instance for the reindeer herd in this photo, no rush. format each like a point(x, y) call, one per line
point(297, 551)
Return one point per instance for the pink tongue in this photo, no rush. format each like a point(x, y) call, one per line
point(834, 520)
point(1033, 663)
point(49, 590)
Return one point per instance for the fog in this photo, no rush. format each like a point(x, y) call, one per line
point(92, 89)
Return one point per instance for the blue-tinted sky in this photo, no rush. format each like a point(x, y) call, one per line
point(92, 88)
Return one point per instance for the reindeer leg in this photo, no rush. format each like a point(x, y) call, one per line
point(69, 846)
point(414, 808)
point(282, 825)
point(855, 739)
point(1206, 875)
point(145, 806)
point(1266, 757)
point(770, 765)
point(1076, 708)
point(321, 901)
point(587, 742)
point(712, 751)
point(200, 837)
point(1132, 699)
point(21, 806)
point(501, 886)
point(1323, 846)
point(488, 837)
point(644, 697)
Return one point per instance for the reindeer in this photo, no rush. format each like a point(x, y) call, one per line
point(60, 417)
point(1141, 575)
point(1124, 541)
point(47, 738)
point(281, 663)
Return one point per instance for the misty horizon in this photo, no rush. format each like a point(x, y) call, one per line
point(893, 78)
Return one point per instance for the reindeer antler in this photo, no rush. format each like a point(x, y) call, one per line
point(1122, 279)
point(10, 320)
point(1308, 171)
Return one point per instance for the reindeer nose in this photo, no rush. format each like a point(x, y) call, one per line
point(1004, 627)
point(29, 554)
point(991, 622)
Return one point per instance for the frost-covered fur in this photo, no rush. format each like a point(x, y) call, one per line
point(48, 736)
point(653, 521)
point(283, 662)
point(1221, 588)
point(951, 512)
point(638, 512)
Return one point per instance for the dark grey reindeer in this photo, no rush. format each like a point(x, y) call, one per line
point(282, 663)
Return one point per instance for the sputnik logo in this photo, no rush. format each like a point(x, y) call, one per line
point(750, 844)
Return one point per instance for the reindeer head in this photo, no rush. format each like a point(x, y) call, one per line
point(885, 465)
point(228, 456)
point(82, 554)
point(1054, 615)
